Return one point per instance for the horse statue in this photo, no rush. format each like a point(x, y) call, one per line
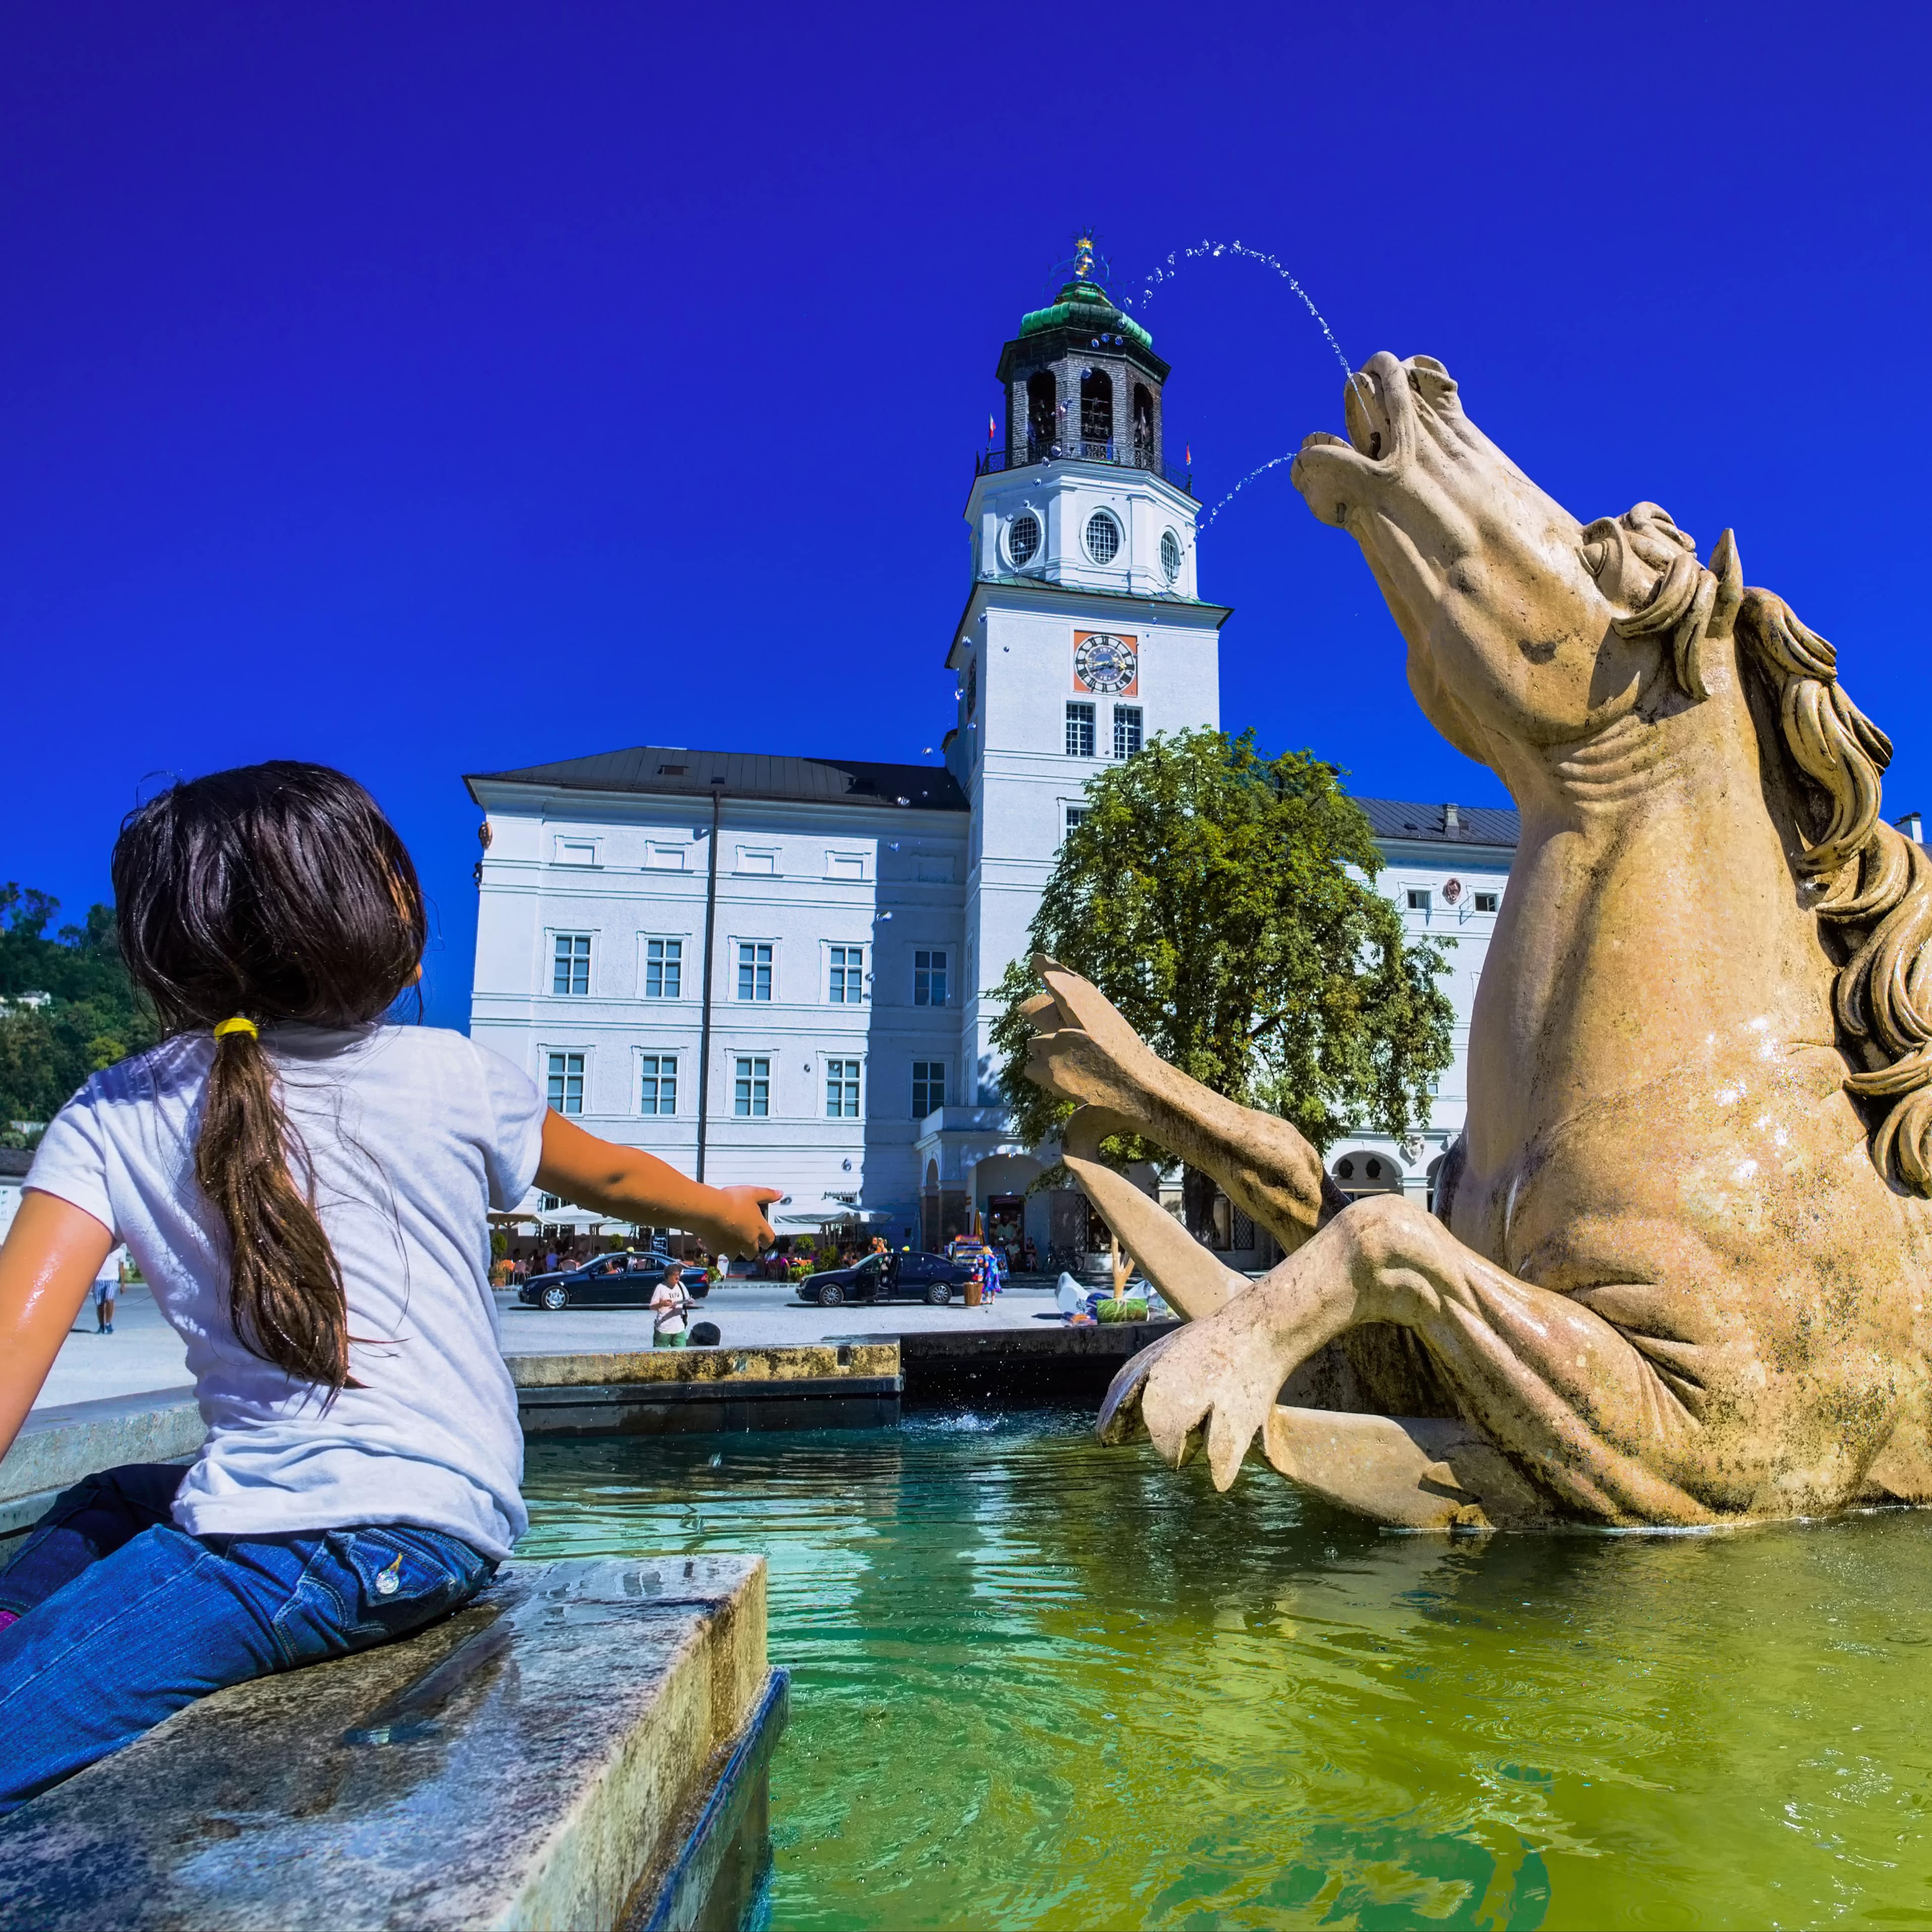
point(1677, 1266)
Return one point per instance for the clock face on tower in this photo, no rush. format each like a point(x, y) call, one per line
point(1105, 663)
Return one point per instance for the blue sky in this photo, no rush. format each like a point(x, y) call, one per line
point(433, 389)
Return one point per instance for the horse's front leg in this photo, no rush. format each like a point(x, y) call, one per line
point(1083, 1050)
point(1559, 1390)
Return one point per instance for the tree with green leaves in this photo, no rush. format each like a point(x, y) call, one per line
point(67, 1008)
point(1225, 903)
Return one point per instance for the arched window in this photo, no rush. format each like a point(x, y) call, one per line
point(1043, 410)
point(1143, 426)
point(1097, 406)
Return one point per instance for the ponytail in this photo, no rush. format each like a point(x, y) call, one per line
point(286, 1291)
point(280, 892)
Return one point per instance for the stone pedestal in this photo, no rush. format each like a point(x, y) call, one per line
point(547, 1757)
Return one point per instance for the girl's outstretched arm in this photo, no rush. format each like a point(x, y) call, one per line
point(52, 1253)
point(628, 1184)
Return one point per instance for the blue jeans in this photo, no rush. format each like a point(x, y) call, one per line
point(123, 1619)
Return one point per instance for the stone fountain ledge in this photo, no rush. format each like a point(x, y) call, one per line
point(709, 1391)
point(572, 1750)
point(857, 1381)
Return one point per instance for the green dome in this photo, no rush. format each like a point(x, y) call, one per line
point(1084, 304)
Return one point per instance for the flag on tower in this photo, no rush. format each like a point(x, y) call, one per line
point(989, 432)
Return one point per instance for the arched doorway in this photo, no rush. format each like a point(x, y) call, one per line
point(1367, 1171)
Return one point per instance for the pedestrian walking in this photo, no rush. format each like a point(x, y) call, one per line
point(106, 1288)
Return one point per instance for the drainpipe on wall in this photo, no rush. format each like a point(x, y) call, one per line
point(704, 1021)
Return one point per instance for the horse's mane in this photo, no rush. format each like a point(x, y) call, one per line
point(1873, 884)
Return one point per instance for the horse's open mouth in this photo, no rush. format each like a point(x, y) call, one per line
point(1366, 419)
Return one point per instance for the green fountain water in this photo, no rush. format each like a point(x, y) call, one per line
point(1039, 1683)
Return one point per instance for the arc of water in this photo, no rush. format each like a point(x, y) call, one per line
point(1209, 250)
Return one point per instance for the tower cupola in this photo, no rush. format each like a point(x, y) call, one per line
point(1085, 490)
point(1081, 379)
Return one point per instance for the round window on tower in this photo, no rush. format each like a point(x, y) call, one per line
point(1170, 554)
point(1023, 540)
point(1103, 538)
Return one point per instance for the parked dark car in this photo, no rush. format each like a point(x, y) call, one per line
point(930, 1278)
point(627, 1280)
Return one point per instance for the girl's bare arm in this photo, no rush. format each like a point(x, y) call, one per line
point(52, 1253)
point(628, 1184)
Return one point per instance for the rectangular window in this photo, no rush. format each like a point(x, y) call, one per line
point(842, 1089)
point(1079, 730)
point(1418, 899)
point(754, 970)
point(928, 978)
point(577, 852)
point(929, 1087)
point(1076, 814)
point(659, 857)
point(570, 967)
point(757, 859)
point(1127, 730)
point(845, 865)
point(751, 1094)
point(1488, 901)
point(566, 1082)
point(848, 975)
point(664, 969)
point(660, 1085)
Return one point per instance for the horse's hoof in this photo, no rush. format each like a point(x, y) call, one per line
point(1120, 1413)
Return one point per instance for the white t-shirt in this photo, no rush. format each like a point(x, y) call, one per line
point(414, 1132)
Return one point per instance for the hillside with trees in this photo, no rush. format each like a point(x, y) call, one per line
point(66, 1009)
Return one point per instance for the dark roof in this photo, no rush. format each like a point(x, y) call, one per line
point(15, 1160)
point(674, 770)
point(1476, 824)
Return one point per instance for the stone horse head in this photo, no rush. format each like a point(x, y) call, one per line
point(1532, 636)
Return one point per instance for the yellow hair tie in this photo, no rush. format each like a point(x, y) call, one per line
point(239, 1025)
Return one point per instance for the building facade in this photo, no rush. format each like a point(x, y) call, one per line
point(774, 970)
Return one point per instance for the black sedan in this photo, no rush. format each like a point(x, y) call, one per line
point(929, 1278)
point(624, 1280)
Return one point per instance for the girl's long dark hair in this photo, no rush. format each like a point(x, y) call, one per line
point(275, 891)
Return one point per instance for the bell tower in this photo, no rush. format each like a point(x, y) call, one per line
point(1083, 406)
point(1083, 635)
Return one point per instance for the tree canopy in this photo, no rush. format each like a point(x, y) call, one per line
point(1225, 902)
point(67, 1007)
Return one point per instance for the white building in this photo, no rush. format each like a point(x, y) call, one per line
point(845, 917)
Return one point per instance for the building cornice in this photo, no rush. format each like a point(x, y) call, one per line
point(1181, 613)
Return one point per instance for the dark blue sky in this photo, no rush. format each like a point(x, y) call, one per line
point(429, 388)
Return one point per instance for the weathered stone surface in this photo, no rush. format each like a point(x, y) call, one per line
point(57, 1446)
point(709, 1391)
point(858, 1360)
point(1680, 1274)
point(533, 1761)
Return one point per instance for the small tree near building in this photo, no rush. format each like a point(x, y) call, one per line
point(1225, 902)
